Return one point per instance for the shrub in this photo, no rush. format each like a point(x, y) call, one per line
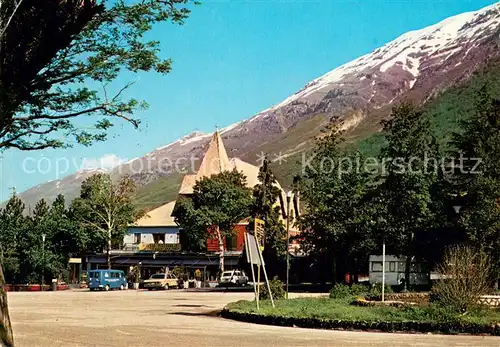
point(179, 271)
point(277, 290)
point(359, 289)
point(340, 291)
point(376, 290)
point(465, 275)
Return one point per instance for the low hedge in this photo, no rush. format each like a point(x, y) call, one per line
point(338, 324)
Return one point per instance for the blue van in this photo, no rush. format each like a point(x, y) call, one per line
point(106, 280)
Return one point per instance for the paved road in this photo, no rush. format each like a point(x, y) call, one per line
point(176, 318)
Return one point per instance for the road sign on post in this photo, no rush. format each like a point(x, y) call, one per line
point(259, 232)
point(254, 257)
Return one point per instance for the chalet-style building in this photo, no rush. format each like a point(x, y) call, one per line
point(157, 231)
point(154, 240)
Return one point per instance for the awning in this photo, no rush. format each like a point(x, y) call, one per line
point(164, 261)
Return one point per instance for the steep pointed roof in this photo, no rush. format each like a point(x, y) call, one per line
point(215, 160)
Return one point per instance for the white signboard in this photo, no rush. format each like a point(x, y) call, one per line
point(253, 254)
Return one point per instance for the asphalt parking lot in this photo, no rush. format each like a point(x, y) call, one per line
point(175, 318)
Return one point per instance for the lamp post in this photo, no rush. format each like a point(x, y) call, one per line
point(43, 259)
point(383, 268)
point(288, 198)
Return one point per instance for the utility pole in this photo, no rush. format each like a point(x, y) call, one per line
point(43, 259)
point(288, 198)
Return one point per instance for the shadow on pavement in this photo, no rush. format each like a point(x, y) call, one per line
point(214, 313)
point(190, 305)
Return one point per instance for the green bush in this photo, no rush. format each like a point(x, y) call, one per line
point(277, 290)
point(359, 289)
point(179, 271)
point(340, 291)
point(376, 290)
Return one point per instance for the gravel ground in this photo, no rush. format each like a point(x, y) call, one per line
point(176, 318)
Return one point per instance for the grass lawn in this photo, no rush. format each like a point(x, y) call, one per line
point(338, 309)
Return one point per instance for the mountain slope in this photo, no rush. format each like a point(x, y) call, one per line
point(418, 66)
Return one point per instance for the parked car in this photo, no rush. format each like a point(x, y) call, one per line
point(106, 280)
point(161, 281)
point(233, 277)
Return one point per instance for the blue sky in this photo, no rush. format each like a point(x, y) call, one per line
point(233, 59)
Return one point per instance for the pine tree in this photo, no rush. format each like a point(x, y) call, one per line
point(334, 229)
point(35, 256)
point(477, 177)
point(266, 206)
point(12, 226)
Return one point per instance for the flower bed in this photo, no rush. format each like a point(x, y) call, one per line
point(323, 313)
point(33, 287)
point(416, 298)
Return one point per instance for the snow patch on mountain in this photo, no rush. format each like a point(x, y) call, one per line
point(230, 127)
point(443, 38)
point(193, 137)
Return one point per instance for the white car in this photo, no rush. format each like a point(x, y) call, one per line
point(233, 278)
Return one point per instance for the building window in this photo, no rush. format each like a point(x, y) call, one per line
point(392, 266)
point(159, 238)
point(137, 238)
point(377, 266)
point(402, 266)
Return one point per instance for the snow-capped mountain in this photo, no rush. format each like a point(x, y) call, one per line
point(420, 60)
point(409, 55)
point(415, 66)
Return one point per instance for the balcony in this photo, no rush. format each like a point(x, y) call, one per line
point(160, 247)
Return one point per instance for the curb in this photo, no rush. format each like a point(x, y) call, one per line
point(448, 328)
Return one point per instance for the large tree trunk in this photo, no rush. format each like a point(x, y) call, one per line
point(108, 250)
point(407, 272)
point(220, 239)
point(7, 338)
point(408, 263)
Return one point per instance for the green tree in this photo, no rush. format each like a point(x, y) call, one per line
point(40, 257)
point(68, 239)
point(335, 233)
point(62, 238)
point(218, 203)
point(193, 237)
point(58, 62)
point(266, 206)
point(12, 226)
point(105, 209)
point(477, 176)
point(12, 230)
point(59, 59)
point(409, 174)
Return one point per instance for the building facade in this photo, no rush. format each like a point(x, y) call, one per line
point(154, 241)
